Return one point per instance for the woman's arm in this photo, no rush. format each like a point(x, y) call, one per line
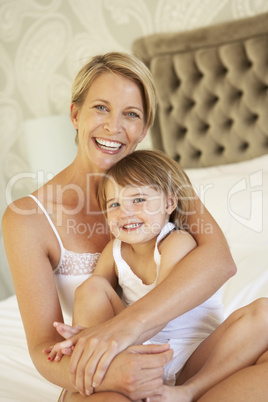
point(30, 243)
point(192, 281)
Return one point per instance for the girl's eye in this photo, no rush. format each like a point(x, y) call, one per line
point(113, 205)
point(137, 200)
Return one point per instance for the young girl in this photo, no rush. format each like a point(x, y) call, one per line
point(147, 198)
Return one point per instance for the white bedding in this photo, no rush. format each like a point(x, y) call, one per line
point(237, 196)
point(19, 380)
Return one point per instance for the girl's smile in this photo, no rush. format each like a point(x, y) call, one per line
point(136, 214)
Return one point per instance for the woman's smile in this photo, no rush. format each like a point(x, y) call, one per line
point(109, 126)
point(110, 146)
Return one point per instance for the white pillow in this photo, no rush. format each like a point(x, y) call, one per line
point(237, 197)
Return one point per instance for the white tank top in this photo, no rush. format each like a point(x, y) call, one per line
point(72, 269)
point(193, 326)
point(132, 286)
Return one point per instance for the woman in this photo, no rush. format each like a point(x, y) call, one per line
point(113, 105)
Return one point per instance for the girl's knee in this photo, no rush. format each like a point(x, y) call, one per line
point(92, 285)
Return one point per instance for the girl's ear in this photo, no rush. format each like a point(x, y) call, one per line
point(171, 203)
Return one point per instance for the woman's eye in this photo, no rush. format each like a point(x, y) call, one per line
point(133, 114)
point(100, 107)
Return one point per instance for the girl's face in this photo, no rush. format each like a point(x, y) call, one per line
point(110, 122)
point(136, 214)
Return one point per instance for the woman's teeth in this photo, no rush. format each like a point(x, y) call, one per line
point(108, 145)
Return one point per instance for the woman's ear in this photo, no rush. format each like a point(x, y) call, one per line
point(171, 203)
point(143, 135)
point(74, 110)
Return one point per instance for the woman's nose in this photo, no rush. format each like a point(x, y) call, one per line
point(112, 124)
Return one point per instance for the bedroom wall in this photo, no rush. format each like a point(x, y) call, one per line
point(42, 45)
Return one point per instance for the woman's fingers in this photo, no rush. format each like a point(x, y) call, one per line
point(80, 357)
point(91, 358)
point(103, 364)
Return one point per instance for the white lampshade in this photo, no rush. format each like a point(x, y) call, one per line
point(49, 143)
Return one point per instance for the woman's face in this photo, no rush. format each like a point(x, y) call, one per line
point(111, 121)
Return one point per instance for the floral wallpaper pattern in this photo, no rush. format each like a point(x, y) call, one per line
point(44, 42)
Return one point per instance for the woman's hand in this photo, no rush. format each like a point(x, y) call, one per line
point(92, 350)
point(95, 348)
point(137, 371)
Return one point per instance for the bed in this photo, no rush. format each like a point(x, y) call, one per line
point(212, 118)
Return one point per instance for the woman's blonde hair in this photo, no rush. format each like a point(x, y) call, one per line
point(157, 170)
point(125, 64)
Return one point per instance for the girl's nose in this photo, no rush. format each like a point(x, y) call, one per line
point(126, 210)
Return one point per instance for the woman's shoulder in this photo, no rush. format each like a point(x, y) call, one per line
point(22, 207)
point(22, 216)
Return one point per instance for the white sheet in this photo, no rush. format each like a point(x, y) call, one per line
point(237, 196)
point(19, 380)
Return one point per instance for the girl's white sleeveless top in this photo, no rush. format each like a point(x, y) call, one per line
point(72, 269)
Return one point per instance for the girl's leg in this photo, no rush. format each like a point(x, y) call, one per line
point(95, 302)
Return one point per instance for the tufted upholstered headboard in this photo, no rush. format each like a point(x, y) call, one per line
point(212, 87)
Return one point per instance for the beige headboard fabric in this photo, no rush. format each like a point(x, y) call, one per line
point(212, 87)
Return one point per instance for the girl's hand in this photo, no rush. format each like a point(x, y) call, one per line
point(59, 349)
point(67, 331)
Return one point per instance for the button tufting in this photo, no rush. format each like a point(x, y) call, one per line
point(197, 154)
point(220, 149)
point(204, 128)
point(182, 132)
point(254, 117)
point(244, 146)
point(229, 123)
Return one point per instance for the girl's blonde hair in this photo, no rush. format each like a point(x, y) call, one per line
point(157, 170)
point(128, 66)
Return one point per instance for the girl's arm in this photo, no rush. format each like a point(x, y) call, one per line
point(191, 281)
point(106, 268)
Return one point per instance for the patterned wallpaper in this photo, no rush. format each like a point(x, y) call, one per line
point(44, 42)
